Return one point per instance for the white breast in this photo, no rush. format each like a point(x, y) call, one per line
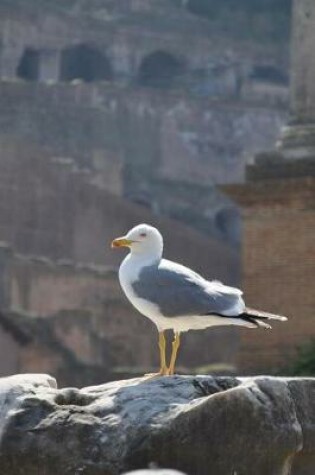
point(129, 273)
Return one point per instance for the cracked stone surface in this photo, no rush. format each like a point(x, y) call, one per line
point(155, 472)
point(198, 425)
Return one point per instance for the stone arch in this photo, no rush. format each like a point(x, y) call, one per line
point(28, 67)
point(160, 69)
point(84, 62)
point(269, 73)
point(228, 222)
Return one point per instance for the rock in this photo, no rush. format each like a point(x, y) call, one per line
point(199, 425)
point(155, 472)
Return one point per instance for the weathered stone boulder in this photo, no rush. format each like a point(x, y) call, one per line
point(155, 472)
point(199, 425)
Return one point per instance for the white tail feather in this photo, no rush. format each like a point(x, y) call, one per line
point(264, 315)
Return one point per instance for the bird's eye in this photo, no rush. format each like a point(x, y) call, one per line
point(143, 234)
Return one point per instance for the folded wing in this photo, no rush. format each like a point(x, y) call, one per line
point(178, 292)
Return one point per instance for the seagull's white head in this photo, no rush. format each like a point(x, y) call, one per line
point(142, 240)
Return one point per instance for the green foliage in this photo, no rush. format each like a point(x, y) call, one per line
point(304, 365)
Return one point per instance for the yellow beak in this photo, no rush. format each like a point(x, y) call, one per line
point(121, 242)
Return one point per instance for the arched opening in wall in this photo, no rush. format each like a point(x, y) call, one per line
point(228, 223)
point(84, 62)
point(28, 67)
point(160, 69)
point(269, 74)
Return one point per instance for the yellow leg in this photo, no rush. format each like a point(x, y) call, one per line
point(175, 346)
point(162, 346)
point(163, 368)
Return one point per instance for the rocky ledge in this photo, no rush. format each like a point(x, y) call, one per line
point(198, 425)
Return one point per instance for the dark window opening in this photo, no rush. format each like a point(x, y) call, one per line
point(86, 63)
point(28, 67)
point(159, 69)
point(269, 74)
point(209, 9)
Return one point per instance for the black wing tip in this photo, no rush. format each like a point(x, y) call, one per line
point(255, 321)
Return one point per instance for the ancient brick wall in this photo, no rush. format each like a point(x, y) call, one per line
point(126, 36)
point(125, 40)
point(155, 134)
point(42, 288)
point(109, 116)
point(133, 141)
point(50, 208)
point(278, 268)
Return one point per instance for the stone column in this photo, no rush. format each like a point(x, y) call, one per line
point(49, 65)
point(303, 61)
point(297, 140)
point(121, 61)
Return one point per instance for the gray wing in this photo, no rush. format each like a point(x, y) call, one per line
point(178, 291)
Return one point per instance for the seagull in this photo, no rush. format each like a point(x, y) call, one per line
point(175, 297)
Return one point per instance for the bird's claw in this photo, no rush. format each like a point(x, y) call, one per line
point(162, 372)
